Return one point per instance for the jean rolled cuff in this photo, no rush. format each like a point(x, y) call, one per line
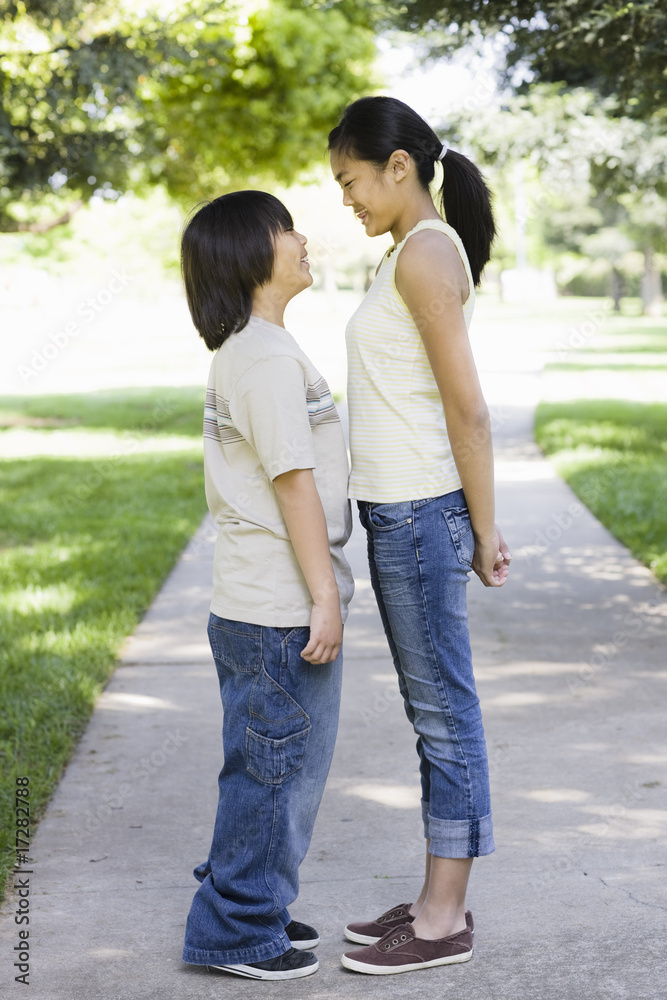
point(425, 808)
point(459, 838)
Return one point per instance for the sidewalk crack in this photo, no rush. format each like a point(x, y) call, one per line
point(635, 899)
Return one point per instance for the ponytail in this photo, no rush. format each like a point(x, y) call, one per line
point(466, 201)
point(373, 127)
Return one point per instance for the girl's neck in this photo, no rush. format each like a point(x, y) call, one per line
point(415, 210)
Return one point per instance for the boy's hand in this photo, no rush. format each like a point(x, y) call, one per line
point(326, 634)
point(307, 528)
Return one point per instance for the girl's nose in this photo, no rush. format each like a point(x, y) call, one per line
point(346, 198)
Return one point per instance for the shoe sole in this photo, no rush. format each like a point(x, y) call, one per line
point(390, 970)
point(248, 972)
point(305, 945)
point(360, 938)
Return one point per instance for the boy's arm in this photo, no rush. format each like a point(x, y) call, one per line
point(307, 528)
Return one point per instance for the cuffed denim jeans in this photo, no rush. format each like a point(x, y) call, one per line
point(420, 554)
point(280, 717)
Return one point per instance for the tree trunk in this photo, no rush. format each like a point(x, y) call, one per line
point(616, 288)
point(651, 286)
point(520, 215)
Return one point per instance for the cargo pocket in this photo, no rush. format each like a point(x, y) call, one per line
point(274, 760)
point(277, 736)
point(460, 528)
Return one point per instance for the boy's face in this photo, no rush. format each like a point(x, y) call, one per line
point(291, 270)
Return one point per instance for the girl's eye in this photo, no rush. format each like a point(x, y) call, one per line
point(347, 184)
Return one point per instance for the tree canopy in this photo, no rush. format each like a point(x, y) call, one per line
point(618, 49)
point(602, 179)
point(197, 96)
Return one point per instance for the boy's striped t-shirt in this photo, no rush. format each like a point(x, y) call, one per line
point(398, 435)
point(269, 411)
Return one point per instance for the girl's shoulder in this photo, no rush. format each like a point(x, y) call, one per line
point(427, 236)
point(434, 250)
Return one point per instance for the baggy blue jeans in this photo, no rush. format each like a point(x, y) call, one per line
point(420, 554)
point(280, 718)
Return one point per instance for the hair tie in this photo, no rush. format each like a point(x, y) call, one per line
point(443, 151)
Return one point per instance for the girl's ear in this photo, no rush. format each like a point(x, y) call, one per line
point(399, 165)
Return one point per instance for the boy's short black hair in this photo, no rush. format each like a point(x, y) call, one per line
point(227, 251)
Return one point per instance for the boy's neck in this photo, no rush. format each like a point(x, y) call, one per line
point(269, 306)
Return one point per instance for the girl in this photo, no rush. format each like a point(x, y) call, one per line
point(422, 474)
point(275, 466)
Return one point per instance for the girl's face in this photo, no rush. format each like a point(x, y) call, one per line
point(370, 193)
point(291, 270)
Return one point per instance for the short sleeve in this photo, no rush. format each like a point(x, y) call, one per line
point(269, 408)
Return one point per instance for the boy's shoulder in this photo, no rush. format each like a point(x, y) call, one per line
point(259, 341)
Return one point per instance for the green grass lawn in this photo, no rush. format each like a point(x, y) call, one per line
point(613, 453)
point(646, 333)
point(630, 366)
point(87, 535)
point(146, 411)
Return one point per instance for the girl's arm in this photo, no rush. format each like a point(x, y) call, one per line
point(306, 524)
point(432, 282)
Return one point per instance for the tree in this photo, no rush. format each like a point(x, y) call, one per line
point(613, 171)
point(618, 49)
point(108, 97)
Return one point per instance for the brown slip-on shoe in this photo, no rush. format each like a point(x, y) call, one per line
point(400, 951)
point(372, 930)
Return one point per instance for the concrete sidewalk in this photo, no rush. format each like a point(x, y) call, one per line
point(570, 661)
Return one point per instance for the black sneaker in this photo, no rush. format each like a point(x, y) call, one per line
point(302, 936)
point(292, 964)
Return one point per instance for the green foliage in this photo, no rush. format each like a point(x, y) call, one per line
point(614, 456)
point(142, 232)
point(268, 107)
point(109, 97)
point(596, 184)
point(77, 577)
point(572, 137)
point(617, 49)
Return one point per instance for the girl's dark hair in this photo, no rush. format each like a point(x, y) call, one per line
point(373, 127)
point(227, 251)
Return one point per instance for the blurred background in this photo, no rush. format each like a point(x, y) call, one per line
point(119, 117)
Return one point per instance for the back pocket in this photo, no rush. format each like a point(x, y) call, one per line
point(460, 528)
point(236, 644)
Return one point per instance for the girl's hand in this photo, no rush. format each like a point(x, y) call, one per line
point(491, 560)
point(326, 633)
